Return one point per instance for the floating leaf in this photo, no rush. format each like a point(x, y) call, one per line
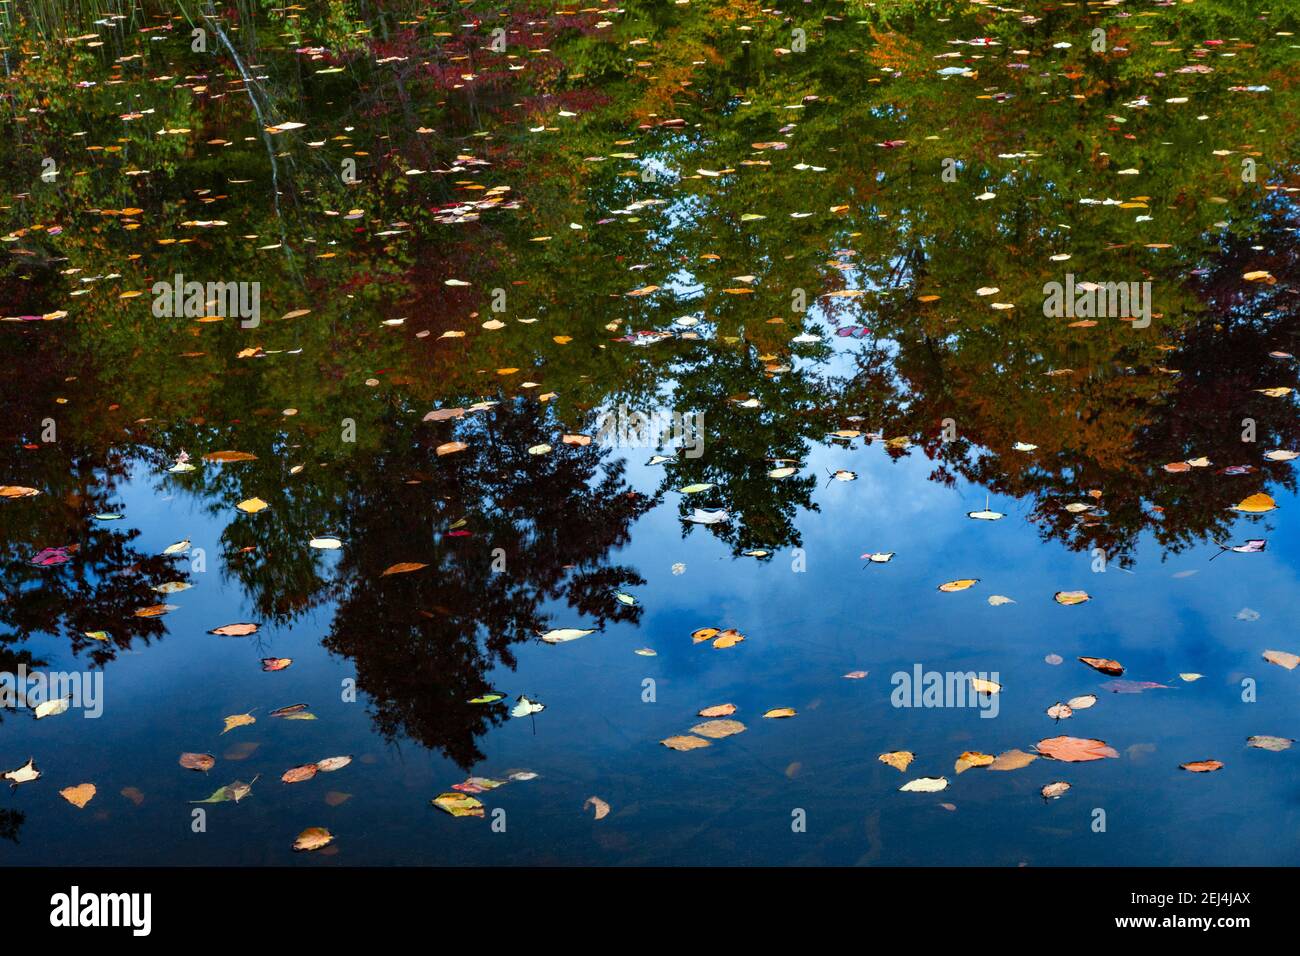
point(403, 567)
point(235, 791)
point(898, 759)
point(242, 629)
point(24, 774)
point(972, 758)
point(313, 838)
point(685, 743)
point(960, 584)
point(728, 638)
point(458, 804)
point(601, 807)
point(80, 795)
point(154, 610)
point(1054, 791)
point(52, 708)
point(1075, 749)
point(299, 774)
point(717, 729)
point(1282, 659)
point(1201, 766)
point(1071, 597)
point(562, 635)
point(526, 707)
point(925, 785)
point(1256, 504)
point(779, 712)
point(238, 720)
point(204, 762)
point(718, 710)
point(1105, 665)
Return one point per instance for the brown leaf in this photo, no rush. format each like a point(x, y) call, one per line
point(299, 774)
point(442, 414)
point(202, 762)
point(80, 795)
point(685, 743)
point(154, 610)
point(1104, 665)
point(1075, 749)
point(403, 567)
point(602, 808)
point(1201, 766)
point(717, 729)
point(229, 456)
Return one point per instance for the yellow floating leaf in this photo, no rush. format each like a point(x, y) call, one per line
point(729, 638)
point(898, 759)
point(718, 710)
point(238, 720)
point(972, 758)
point(313, 838)
point(80, 795)
point(1256, 504)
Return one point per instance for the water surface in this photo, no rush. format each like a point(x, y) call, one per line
point(821, 233)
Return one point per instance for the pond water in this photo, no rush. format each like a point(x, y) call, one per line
point(425, 338)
